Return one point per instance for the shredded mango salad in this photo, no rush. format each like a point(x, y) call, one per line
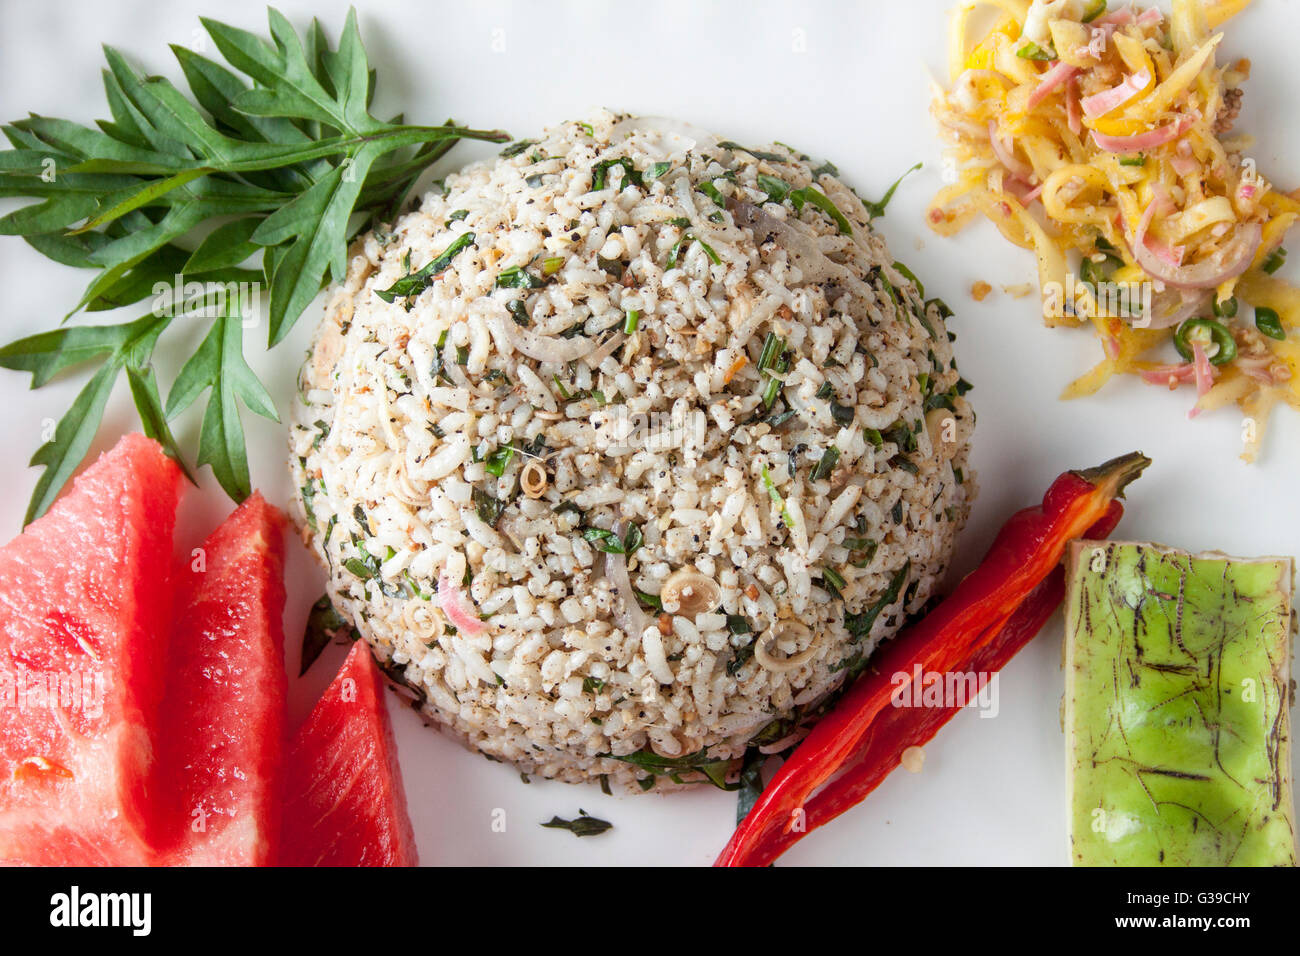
point(1102, 141)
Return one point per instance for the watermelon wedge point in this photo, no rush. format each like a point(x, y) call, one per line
point(344, 803)
point(223, 711)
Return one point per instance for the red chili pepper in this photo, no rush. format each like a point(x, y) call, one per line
point(991, 614)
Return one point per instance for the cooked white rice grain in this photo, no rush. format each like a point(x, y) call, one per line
point(614, 338)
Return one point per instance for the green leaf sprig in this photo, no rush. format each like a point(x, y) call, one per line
point(583, 825)
point(877, 209)
point(277, 149)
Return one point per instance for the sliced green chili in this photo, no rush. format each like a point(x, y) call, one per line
point(1032, 51)
point(1220, 347)
point(1225, 309)
point(1095, 9)
point(1270, 323)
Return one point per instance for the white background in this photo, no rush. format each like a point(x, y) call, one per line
point(847, 81)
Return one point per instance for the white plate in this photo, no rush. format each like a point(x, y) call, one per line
point(848, 81)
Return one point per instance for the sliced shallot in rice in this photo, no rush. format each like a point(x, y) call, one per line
point(803, 252)
point(688, 592)
point(787, 631)
point(457, 607)
point(605, 351)
point(544, 348)
point(627, 612)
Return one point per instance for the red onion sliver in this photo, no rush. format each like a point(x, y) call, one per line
point(1171, 375)
point(1058, 74)
point(1204, 373)
point(1026, 197)
point(1099, 104)
point(1171, 255)
point(1185, 166)
point(1006, 155)
point(1164, 317)
point(1142, 141)
point(1258, 367)
point(1232, 260)
point(1164, 203)
point(1119, 18)
point(453, 603)
point(1073, 116)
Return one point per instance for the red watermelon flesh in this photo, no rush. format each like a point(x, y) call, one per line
point(223, 713)
point(344, 805)
point(85, 608)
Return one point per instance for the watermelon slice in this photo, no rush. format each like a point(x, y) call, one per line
point(223, 714)
point(85, 607)
point(344, 804)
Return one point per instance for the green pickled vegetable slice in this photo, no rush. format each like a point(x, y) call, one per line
point(1176, 707)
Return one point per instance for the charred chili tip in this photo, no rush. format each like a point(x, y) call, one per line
point(1117, 473)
